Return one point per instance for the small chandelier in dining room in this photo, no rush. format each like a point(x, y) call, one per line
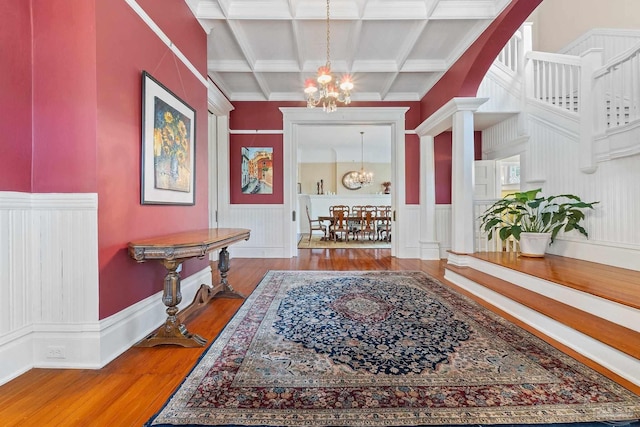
point(323, 90)
point(361, 178)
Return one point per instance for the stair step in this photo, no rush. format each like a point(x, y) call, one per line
point(619, 337)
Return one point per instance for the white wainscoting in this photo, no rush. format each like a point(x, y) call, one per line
point(411, 239)
point(267, 233)
point(443, 229)
point(49, 287)
point(614, 235)
point(611, 41)
point(49, 280)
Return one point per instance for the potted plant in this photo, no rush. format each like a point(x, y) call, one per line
point(527, 216)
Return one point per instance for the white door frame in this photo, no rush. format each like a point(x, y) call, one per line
point(294, 121)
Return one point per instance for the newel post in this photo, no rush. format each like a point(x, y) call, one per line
point(591, 61)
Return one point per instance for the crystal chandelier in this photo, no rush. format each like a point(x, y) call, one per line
point(361, 178)
point(323, 90)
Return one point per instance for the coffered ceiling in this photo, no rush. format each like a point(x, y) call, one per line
point(395, 50)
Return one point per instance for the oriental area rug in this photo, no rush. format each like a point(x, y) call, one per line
point(312, 348)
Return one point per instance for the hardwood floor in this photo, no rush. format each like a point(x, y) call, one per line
point(129, 390)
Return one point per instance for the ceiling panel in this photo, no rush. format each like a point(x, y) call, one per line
point(394, 49)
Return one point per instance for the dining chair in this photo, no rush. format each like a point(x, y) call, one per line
point(355, 220)
point(315, 225)
point(383, 223)
point(339, 222)
point(368, 220)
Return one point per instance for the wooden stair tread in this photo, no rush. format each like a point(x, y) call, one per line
point(612, 283)
point(624, 339)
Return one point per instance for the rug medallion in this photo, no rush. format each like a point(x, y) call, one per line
point(381, 349)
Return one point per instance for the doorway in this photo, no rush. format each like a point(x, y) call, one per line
point(298, 120)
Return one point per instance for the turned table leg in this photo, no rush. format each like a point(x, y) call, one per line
point(223, 266)
point(173, 331)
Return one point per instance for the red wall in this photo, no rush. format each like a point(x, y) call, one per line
point(15, 96)
point(442, 148)
point(267, 116)
point(72, 72)
point(126, 47)
point(64, 97)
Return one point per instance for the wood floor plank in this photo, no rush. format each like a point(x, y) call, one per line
point(133, 387)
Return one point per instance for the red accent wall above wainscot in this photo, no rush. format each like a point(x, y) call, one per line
point(412, 169)
point(176, 22)
point(442, 148)
point(64, 97)
point(266, 115)
point(126, 46)
point(15, 96)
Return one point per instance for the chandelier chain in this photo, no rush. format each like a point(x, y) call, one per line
point(328, 38)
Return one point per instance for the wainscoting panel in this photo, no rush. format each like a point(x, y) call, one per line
point(614, 237)
point(443, 228)
point(411, 239)
point(266, 223)
point(502, 90)
point(611, 41)
point(48, 255)
point(15, 315)
point(500, 135)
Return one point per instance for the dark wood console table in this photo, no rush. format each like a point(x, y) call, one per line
point(172, 250)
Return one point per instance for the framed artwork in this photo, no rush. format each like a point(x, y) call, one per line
point(168, 146)
point(257, 170)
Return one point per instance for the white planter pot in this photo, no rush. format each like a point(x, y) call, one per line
point(534, 244)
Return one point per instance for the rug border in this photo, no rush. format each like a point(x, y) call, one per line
point(252, 296)
point(197, 362)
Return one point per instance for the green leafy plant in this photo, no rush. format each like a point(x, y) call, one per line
point(527, 212)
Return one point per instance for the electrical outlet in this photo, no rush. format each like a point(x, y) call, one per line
point(56, 352)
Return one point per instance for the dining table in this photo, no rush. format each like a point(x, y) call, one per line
point(329, 219)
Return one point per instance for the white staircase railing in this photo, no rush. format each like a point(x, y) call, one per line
point(554, 79)
point(618, 84)
point(603, 98)
point(511, 55)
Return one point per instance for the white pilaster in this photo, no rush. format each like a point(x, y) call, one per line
point(457, 115)
point(429, 246)
point(462, 182)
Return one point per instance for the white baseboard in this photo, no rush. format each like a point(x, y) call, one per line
point(89, 345)
point(600, 252)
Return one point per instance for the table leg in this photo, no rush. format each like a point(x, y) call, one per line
point(173, 331)
point(223, 266)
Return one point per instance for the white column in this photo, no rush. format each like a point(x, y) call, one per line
point(429, 247)
point(462, 183)
point(457, 114)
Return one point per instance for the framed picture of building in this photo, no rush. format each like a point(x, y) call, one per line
point(168, 146)
point(257, 170)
